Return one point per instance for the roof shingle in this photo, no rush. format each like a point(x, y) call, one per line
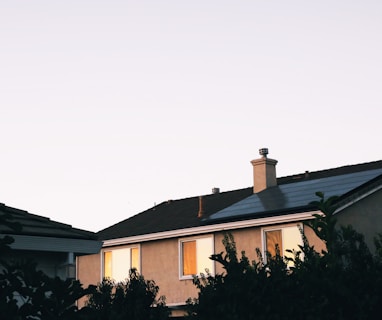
point(34, 225)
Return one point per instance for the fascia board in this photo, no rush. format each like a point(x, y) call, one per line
point(211, 228)
point(36, 243)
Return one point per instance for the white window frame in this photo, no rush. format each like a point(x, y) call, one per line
point(211, 269)
point(111, 249)
point(275, 228)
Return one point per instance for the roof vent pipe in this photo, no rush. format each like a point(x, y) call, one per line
point(215, 190)
point(201, 207)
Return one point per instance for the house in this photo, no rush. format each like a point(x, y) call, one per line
point(52, 245)
point(172, 241)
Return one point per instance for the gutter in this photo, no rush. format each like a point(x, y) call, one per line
point(211, 228)
point(52, 244)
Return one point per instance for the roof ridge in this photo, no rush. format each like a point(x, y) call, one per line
point(204, 195)
point(346, 169)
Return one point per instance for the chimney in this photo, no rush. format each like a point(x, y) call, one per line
point(264, 172)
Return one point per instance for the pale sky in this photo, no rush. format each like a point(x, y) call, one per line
point(109, 107)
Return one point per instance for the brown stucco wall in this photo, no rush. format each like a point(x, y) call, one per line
point(315, 241)
point(160, 262)
point(246, 240)
point(88, 272)
point(365, 216)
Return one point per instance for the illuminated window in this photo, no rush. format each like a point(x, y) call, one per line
point(194, 256)
point(287, 238)
point(118, 262)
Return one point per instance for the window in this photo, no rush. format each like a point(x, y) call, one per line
point(287, 238)
point(118, 262)
point(194, 256)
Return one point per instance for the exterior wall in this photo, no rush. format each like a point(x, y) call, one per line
point(160, 262)
point(315, 241)
point(88, 272)
point(365, 216)
point(246, 240)
point(89, 269)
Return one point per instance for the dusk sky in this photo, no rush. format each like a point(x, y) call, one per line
point(110, 107)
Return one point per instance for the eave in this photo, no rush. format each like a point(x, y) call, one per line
point(211, 228)
point(52, 244)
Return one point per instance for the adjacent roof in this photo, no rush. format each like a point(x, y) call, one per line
point(292, 194)
point(33, 232)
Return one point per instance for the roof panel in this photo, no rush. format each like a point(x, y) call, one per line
point(295, 195)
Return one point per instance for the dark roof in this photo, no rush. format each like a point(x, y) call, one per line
point(28, 224)
point(173, 215)
point(293, 193)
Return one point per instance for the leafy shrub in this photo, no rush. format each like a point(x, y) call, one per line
point(133, 299)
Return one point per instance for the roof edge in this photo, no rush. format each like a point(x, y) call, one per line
point(210, 228)
point(337, 171)
point(35, 243)
point(358, 194)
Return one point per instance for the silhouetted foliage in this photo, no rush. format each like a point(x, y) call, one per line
point(342, 282)
point(133, 299)
point(27, 293)
point(5, 241)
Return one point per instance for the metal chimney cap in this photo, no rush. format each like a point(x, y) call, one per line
point(263, 152)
